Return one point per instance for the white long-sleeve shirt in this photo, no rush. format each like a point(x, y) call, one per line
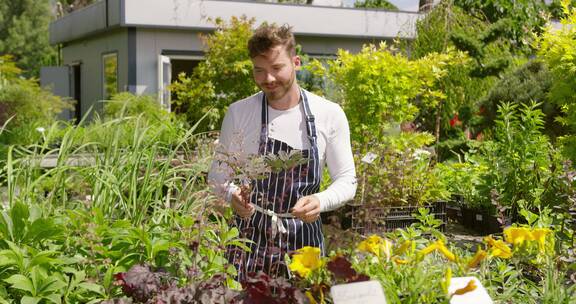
point(240, 134)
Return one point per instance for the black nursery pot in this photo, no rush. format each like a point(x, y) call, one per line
point(480, 221)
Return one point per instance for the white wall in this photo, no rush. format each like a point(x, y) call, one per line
point(149, 45)
point(307, 20)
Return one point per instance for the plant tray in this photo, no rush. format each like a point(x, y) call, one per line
point(369, 220)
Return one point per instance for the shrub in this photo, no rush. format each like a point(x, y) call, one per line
point(401, 174)
point(380, 86)
point(26, 104)
point(557, 48)
point(223, 77)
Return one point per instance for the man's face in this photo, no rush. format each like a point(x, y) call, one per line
point(275, 72)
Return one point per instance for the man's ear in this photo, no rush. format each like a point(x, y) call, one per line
point(297, 62)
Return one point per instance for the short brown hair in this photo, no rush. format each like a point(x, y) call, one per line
point(268, 36)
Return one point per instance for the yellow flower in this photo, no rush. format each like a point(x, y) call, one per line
point(517, 235)
point(438, 245)
point(403, 247)
point(376, 245)
point(498, 248)
point(539, 234)
point(471, 286)
point(400, 261)
point(429, 249)
point(445, 252)
point(447, 278)
point(305, 261)
point(478, 257)
point(310, 297)
point(386, 248)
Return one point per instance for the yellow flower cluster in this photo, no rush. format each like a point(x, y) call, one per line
point(306, 260)
point(498, 248)
point(518, 235)
point(377, 246)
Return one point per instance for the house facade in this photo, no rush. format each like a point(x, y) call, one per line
point(140, 45)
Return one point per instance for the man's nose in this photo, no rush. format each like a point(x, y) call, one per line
point(270, 77)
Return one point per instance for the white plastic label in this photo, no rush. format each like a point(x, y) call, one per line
point(369, 292)
point(479, 217)
point(477, 296)
point(369, 158)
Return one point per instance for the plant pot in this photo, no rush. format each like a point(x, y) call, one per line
point(468, 217)
point(480, 221)
point(454, 213)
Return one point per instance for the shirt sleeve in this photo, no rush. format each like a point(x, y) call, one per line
point(340, 162)
point(220, 174)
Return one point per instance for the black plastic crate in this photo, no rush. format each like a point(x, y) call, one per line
point(371, 219)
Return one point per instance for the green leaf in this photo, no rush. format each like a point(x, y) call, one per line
point(99, 289)
point(19, 215)
point(54, 298)
point(3, 295)
point(159, 245)
point(43, 229)
point(7, 258)
point(50, 285)
point(107, 280)
point(21, 282)
point(44, 258)
point(6, 226)
point(30, 300)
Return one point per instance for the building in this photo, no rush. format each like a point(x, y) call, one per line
point(140, 45)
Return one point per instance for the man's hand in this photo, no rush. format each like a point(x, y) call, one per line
point(307, 209)
point(242, 209)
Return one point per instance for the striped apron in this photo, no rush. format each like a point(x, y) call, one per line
point(272, 229)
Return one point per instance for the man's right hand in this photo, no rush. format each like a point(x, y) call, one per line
point(242, 209)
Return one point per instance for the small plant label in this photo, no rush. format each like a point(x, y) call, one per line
point(369, 292)
point(369, 158)
point(479, 217)
point(476, 295)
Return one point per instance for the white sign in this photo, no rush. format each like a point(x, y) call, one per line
point(479, 217)
point(369, 292)
point(476, 296)
point(369, 158)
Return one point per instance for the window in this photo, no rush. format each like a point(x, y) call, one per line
point(110, 75)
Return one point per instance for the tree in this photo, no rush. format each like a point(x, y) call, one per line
point(72, 5)
point(24, 33)
point(375, 4)
point(557, 49)
point(381, 87)
point(222, 78)
point(462, 91)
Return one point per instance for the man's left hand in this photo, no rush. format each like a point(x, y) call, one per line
point(307, 209)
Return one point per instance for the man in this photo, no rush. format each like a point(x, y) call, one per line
point(283, 211)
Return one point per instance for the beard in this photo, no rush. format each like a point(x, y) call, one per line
point(279, 90)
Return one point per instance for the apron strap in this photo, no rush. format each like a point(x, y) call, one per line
point(310, 124)
point(309, 119)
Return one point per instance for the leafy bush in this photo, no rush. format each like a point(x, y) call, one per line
point(513, 21)
point(528, 83)
point(223, 77)
point(515, 166)
point(380, 87)
point(127, 114)
point(26, 104)
point(557, 48)
point(401, 174)
point(383, 4)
